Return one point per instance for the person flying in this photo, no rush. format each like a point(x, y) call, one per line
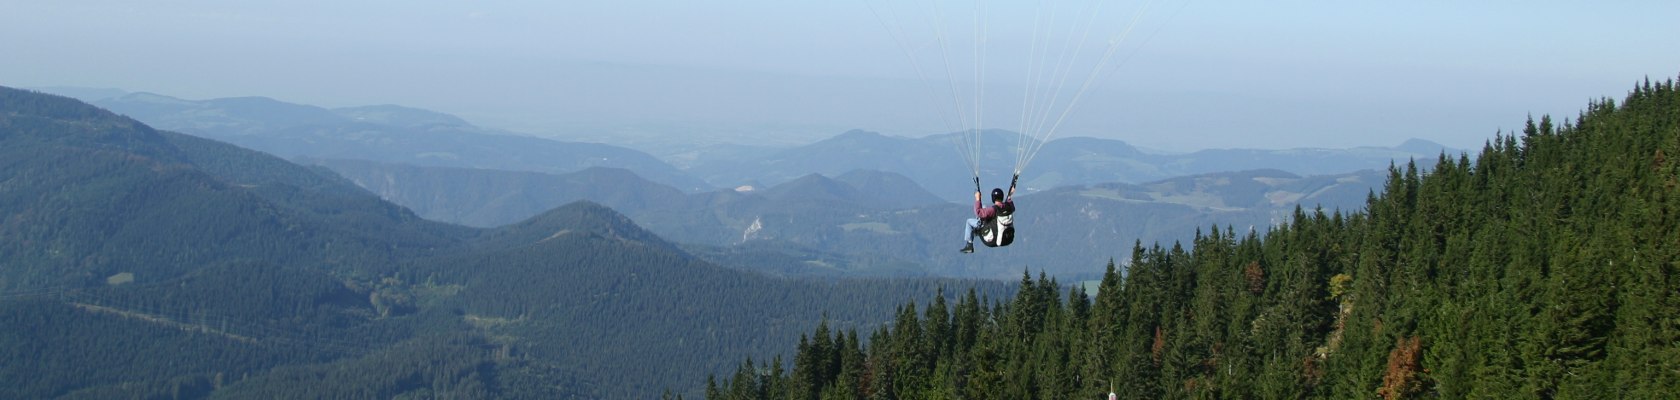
point(993, 224)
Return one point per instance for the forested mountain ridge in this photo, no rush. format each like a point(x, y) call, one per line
point(89, 193)
point(381, 133)
point(143, 263)
point(1547, 267)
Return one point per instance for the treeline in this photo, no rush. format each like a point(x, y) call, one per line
point(1543, 268)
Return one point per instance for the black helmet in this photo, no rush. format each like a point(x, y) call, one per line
point(997, 194)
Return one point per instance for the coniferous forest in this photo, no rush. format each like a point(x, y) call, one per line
point(1543, 267)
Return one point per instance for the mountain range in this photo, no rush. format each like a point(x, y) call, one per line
point(936, 163)
point(395, 134)
point(875, 223)
point(849, 205)
point(137, 262)
point(385, 133)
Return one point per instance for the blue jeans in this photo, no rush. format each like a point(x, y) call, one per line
point(968, 231)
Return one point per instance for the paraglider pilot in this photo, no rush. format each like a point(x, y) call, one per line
point(985, 217)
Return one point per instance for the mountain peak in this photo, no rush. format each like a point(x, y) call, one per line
point(812, 186)
point(579, 217)
point(889, 189)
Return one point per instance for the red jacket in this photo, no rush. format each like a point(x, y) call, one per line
point(988, 213)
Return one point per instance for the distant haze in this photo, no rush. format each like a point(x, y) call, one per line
point(1211, 74)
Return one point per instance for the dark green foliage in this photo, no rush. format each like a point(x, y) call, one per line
point(1547, 267)
point(88, 198)
point(83, 350)
point(439, 366)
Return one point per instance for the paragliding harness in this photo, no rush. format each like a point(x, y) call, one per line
point(1000, 230)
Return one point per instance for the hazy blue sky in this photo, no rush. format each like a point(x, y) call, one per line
point(1269, 74)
